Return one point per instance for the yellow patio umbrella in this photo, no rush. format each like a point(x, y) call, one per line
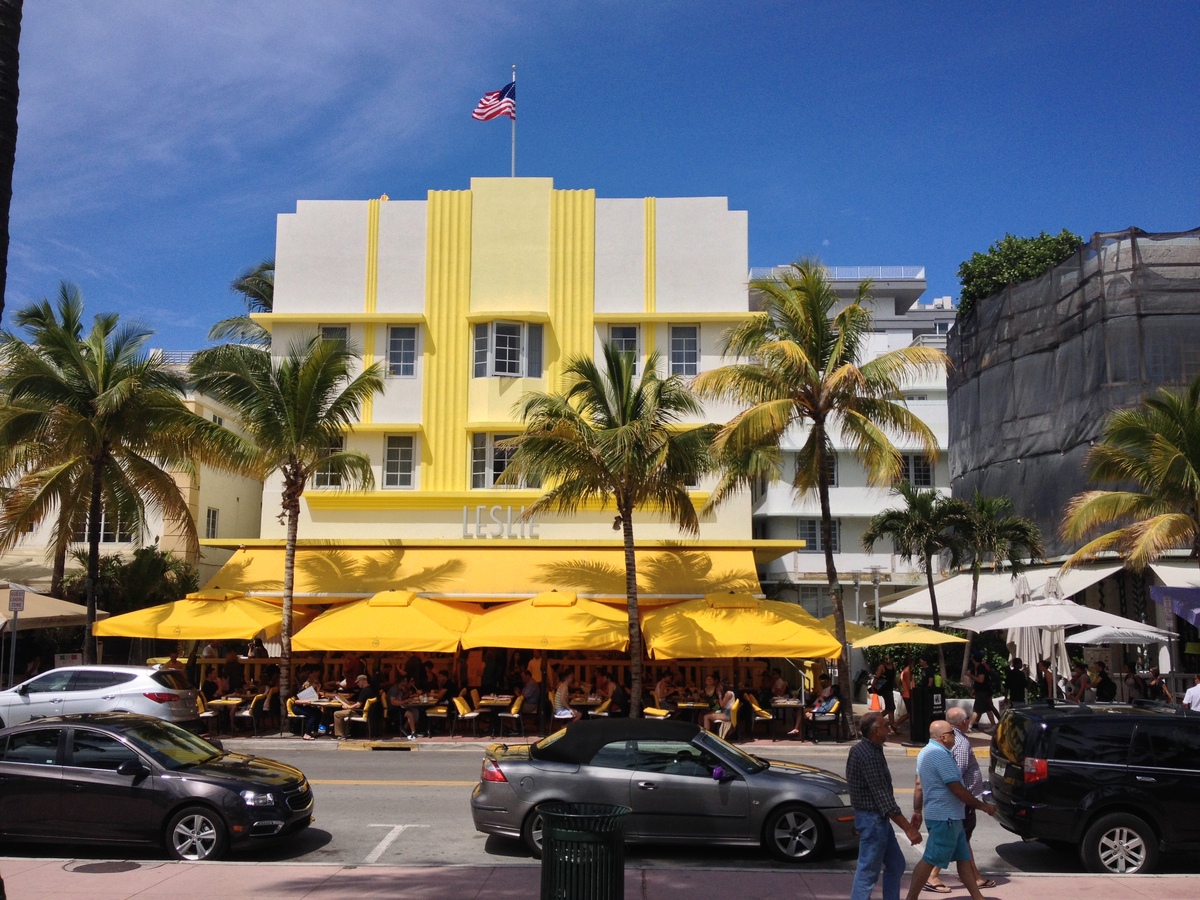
point(907, 633)
point(205, 615)
point(389, 621)
point(552, 620)
point(725, 625)
point(854, 631)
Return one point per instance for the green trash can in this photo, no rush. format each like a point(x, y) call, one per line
point(583, 851)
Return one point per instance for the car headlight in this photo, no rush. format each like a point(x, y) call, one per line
point(254, 798)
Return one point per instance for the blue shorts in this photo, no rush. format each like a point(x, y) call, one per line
point(947, 843)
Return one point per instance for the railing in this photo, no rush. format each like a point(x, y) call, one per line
point(176, 357)
point(855, 273)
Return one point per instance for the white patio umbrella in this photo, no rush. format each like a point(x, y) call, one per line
point(1033, 644)
point(1053, 614)
point(1109, 634)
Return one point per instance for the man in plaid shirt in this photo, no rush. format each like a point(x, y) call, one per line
point(874, 804)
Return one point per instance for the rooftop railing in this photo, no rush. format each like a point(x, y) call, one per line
point(855, 273)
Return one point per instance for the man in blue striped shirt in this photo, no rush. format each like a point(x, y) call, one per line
point(945, 801)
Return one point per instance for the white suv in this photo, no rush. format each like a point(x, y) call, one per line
point(162, 693)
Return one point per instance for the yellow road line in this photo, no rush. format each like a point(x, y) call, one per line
point(411, 783)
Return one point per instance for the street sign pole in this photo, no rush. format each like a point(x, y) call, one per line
point(16, 603)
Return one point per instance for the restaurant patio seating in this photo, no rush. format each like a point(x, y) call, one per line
point(757, 714)
point(601, 711)
point(295, 721)
point(370, 716)
point(513, 714)
point(724, 728)
point(830, 722)
point(207, 716)
point(465, 714)
point(252, 713)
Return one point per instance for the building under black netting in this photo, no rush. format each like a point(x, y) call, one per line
point(1039, 365)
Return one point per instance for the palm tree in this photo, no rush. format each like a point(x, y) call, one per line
point(990, 531)
point(806, 367)
point(927, 524)
point(611, 438)
point(257, 287)
point(94, 426)
point(294, 412)
point(1155, 447)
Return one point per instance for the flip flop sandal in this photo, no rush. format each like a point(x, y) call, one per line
point(987, 883)
point(937, 888)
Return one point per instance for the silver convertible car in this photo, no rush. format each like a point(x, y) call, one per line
point(684, 785)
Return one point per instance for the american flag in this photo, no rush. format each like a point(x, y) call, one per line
point(497, 103)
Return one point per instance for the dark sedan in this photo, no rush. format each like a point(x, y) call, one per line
point(127, 779)
point(683, 785)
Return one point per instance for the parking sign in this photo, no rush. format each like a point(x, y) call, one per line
point(16, 600)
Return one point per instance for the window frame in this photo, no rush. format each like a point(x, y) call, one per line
point(814, 545)
point(344, 340)
point(526, 360)
point(399, 472)
point(910, 470)
point(324, 479)
point(619, 342)
point(406, 365)
point(677, 363)
point(212, 523)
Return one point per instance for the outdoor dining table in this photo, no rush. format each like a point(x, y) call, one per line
point(693, 708)
point(778, 706)
point(422, 702)
point(224, 708)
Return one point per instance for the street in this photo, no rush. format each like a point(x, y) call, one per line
point(411, 808)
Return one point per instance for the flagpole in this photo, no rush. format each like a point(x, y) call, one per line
point(514, 130)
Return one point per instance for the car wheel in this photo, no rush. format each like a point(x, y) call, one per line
point(795, 834)
point(196, 833)
point(1120, 844)
point(531, 833)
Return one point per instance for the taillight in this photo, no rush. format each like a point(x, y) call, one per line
point(491, 771)
point(161, 697)
point(1036, 770)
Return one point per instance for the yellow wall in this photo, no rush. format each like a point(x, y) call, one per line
point(572, 279)
point(445, 450)
point(510, 243)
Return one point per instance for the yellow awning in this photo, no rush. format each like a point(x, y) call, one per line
point(724, 625)
point(550, 621)
point(389, 621)
point(907, 633)
point(227, 615)
point(490, 570)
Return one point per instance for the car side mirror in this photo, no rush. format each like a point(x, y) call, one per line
point(23, 690)
point(720, 774)
point(216, 742)
point(133, 768)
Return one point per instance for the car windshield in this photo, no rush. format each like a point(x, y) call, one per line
point(710, 741)
point(170, 745)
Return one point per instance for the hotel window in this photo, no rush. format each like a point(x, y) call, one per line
point(909, 398)
point(398, 461)
point(339, 334)
point(831, 470)
point(809, 531)
point(917, 470)
point(218, 419)
point(625, 339)
point(211, 517)
point(111, 531)
point(326, 476)
point(488, 461)
point(508, 350)
point(685, 349)
point(402, 351)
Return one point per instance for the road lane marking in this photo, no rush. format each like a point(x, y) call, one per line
point(409, 783)
point(396, 831)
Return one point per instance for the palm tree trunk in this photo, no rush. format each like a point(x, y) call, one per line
point(93, 566)
point(58, 572)
point(937, 619)
point(635, 631)
point(844, 681)
point(292, 501)
point(974, 606)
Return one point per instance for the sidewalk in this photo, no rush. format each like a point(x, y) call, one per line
point(34, 879)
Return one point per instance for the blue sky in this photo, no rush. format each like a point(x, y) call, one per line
point(158, 141)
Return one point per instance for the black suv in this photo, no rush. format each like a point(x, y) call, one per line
point(1121, 783)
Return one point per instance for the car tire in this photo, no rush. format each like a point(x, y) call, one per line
point(1120, 844)
point(531, 833)
point(196, 833)
point(795, 833)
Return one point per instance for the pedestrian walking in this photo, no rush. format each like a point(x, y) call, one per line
point(945, 800)
point(874, 803)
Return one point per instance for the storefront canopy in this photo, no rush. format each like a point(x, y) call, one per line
point(731, 624)
point(552, 620)
point(484, 571)
point(907, 633)
point(389, 621)
point(205, 615)
point(42, 612)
